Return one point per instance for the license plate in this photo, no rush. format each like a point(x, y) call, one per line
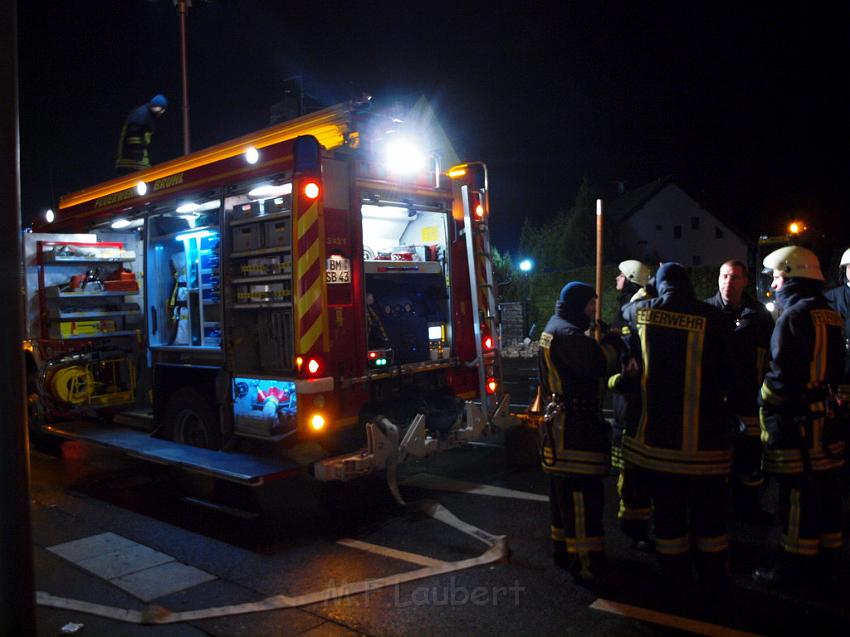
point(338, 270)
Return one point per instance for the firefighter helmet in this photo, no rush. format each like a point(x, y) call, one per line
point(794, 262)
point(845, 258)
point(635, 271)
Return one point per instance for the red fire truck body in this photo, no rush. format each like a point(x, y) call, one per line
point(288, 294)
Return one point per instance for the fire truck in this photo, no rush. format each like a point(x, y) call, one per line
point(316, 297)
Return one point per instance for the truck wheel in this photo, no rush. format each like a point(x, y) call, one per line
point(191, 420)
point(39, 440)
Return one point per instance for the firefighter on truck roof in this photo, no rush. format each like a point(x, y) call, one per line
point(803, 440)
point(136, 135)
point(575, 438)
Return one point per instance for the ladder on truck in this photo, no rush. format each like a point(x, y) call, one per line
point(476, 214)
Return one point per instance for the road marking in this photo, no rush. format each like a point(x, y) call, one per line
point(133, 567)
point(672, 621)
point(404, 556)
point(441, 483)
point(497, 549)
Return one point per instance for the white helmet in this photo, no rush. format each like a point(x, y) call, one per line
point(845, 258)
point(635, 271)
point(795, 262)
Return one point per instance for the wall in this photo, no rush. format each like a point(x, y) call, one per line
point(648, 233)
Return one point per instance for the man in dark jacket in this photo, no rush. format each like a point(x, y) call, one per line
point(575, 438)
point(803, 442)
point(752, 326)
point(136, 136)
point(681, 441)
point(839, 300)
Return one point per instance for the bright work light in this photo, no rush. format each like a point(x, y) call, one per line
point(269, 190)
point(526, 265)
point(403, 156)
point(141, 188)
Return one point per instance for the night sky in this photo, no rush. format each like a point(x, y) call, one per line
point(745, 107)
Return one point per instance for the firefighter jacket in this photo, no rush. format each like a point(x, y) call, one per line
point(135, 138)
point(807, 360)
point(625, 396)
point(684, 346)
point(751, 326)
point(573, 367)
point(839, 300)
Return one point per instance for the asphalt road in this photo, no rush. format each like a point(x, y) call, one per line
point(300, 544)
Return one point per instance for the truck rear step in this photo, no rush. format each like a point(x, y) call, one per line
point(240, 468)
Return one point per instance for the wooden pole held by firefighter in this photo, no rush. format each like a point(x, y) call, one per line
point(598, 329)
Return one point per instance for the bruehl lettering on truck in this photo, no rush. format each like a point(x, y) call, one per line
point(129, 193)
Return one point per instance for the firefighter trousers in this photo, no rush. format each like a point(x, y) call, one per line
point(635, 507)
point(577, 533)
point(690, 512)
point(746, 469)
point(810, 512)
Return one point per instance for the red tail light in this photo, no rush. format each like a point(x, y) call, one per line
point(488, 343)
point(311, 190)
point(314, 366)
point(477, 206)
point(309, 366)
point(491, 386)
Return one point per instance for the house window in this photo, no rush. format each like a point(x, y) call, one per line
point(696, 259)
point(677, 232)
point(694, 223)
point(718, 233)
point(658, 227)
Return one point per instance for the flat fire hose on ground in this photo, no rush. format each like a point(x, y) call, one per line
point(497, 549)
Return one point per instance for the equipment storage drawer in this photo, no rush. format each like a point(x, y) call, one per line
point(263, 293)
point(247, 237)
point(81, 328)
point(246, 210)
point(261, 266)
point(278, 233)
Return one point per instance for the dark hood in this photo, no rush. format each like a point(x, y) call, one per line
point(672, 278)
point(572, 302)
point(795, 289)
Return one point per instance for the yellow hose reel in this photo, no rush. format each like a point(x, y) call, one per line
point(73, 385)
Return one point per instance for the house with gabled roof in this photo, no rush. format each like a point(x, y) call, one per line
point(661, 222)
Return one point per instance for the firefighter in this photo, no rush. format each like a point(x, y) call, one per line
point(803, 442)
point(136, 135)
point(575, 439)
point(681, 442)
point(839, 300)
point(634, 511)
point(751, 325)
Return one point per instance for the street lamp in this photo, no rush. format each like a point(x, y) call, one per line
point(526, 266)
point(182, 8)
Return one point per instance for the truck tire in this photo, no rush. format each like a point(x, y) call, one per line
point(39, 440)
point(190, 419)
